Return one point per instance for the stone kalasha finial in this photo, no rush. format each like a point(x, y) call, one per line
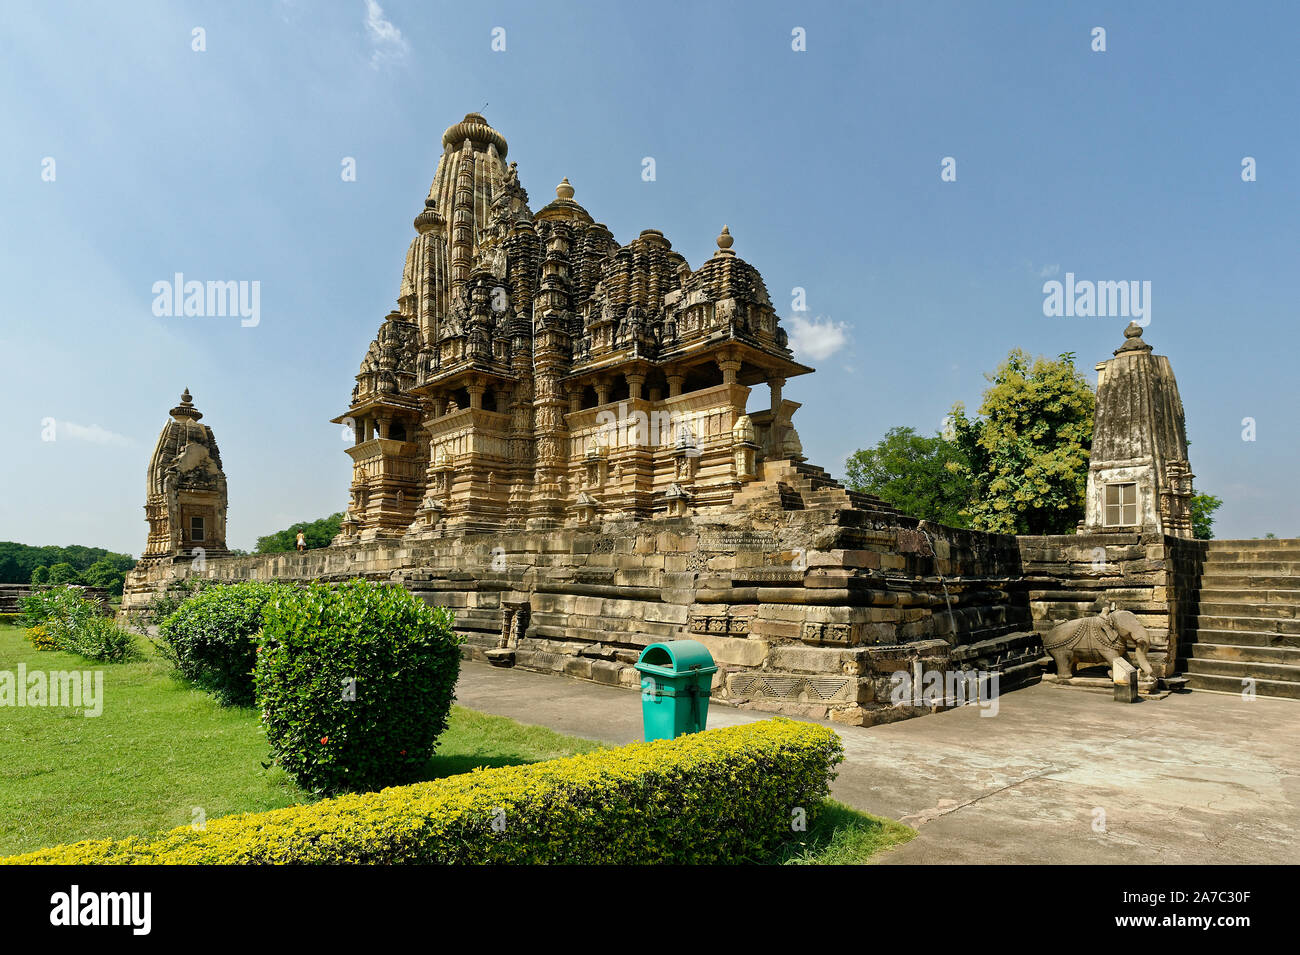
point(564, 190)
point(724, 242)
point(428, 217)
point(1133, 340)
point(186, 408)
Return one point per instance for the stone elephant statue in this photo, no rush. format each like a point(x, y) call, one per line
point(1097, 639)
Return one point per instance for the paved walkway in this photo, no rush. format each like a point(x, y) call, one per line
point(1194, 778)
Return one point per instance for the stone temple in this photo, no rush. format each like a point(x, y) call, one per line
point(185, 502)
point(1138, 475)
point(537, 374)
point(554, 438)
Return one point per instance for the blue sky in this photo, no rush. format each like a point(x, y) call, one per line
point(225, 165)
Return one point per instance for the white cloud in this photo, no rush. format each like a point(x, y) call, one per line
point(817, 339)
point(1047, 271)
point(387, 45)
point(92, 433)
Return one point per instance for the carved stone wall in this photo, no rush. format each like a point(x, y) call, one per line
point(806, 612)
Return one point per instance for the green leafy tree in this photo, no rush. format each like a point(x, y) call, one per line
point(318, 533)
point(64, 573)
point(1027, 449)
point(925, 477)
point(40, 575)
point(1203, 507)
point(105, 573)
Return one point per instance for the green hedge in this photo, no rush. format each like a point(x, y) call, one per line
point(211, 638)
point(726, 795)
point(355, 683)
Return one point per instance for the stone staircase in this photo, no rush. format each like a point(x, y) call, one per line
point(795, 485)
point(1247, 622)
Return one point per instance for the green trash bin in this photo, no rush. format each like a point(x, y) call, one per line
point(675, 681)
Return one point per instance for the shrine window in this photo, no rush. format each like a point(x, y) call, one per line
point(1121, 505)
point(196, 528)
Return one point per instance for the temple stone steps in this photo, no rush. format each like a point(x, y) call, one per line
point(1244, 616)
point(1240, 595)
point(1227, 571)
point(1246, 625)
point(1288, 545)
point(1270, 672)
point(1226, 560)
point(796, 485)
point(1238, 653)
point(1233, 684)
point(1240, 628)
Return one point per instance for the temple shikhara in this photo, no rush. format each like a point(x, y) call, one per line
point(536, 373)
point(185, 503)
point(1138, 476)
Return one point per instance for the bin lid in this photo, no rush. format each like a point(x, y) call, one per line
point(676, 657)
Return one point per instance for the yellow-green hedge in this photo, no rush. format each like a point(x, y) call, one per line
point(725, 795)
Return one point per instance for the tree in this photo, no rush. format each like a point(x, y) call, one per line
point(318, 533)
point(1203, 507)
point(63, 573)
point(1028, 447)
point(40, 575)
point(105, 573)
point(923, 477)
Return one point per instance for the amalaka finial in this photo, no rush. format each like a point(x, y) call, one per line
point(564, 190)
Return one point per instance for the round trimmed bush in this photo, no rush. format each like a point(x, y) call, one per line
point(212, 638)
point(355, 684)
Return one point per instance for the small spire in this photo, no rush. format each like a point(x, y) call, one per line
point(724, 242)
point(1133, 340)
point(564, 190)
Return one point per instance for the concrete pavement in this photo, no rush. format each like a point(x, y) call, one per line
point(1059, 775)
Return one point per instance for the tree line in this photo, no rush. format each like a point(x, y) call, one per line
point(94, 566)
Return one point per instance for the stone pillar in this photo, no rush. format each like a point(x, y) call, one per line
point(776, 384)
point(675, 383)
point(634, 383)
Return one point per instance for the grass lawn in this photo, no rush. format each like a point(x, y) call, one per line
point(161, 749)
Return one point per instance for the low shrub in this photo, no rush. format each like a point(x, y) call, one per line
point(77, 625)
point(58, 607)
point(40, 638)
point(211, 638)
point(100, 639)
point(725, 795)
point(163, 603)
point(355, 684)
